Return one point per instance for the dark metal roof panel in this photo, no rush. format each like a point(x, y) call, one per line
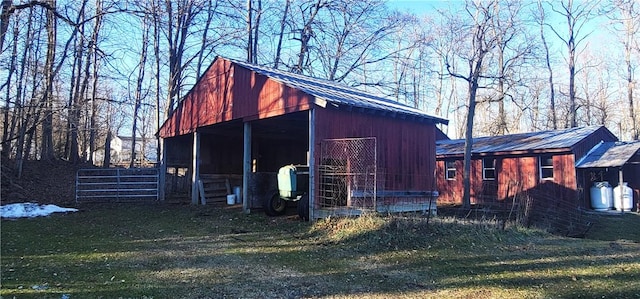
point(610, 154)
point(534, 141)
point(338, 94)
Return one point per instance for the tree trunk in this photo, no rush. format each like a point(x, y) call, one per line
point(75, 100)
point(305, 36)
point(7, 105)
point(468, 141)
point(178, 30)
point(572, 85)
point(283, 22)
point(205, 33)
point(47, 151)
point(107, 150)
point(156, 52)
point(629, 24)
point(468, 145)
point(94, 85)
point(552, 93)
point(250, 31)
point(4, 21)
point(138, 95)
point(502, 116)
point(256, 31)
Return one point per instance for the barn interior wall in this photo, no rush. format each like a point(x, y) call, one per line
point(178, 150)
point(272, 153)
point(221, 154)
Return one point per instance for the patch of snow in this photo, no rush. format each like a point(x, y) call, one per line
point(21, 210)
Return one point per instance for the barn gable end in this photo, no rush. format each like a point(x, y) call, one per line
point(247, 120)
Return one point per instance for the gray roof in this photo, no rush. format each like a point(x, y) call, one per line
point(338, 94)
point(525, 142)
point(610, 154)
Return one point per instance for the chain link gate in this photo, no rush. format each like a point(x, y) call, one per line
point(348, 178)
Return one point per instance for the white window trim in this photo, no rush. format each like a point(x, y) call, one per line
point(486, 168)
point(540, 158)
point(446, 171)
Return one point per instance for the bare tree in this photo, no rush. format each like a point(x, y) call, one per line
point(47, 99)
point(79, 82)
point(351, 35)
point(283, 22)
point(513, 49)
point(541, 19)
point(628, 16)
point(478, 39)
point(308, 13)
point(138, 97)
point(180, 15)
point(253, 29)
point(7, 86)
point(93, 47)
point(576, 16)
point(5, 13)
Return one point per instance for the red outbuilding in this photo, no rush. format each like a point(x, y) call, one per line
point(557, 166)
point(243, 122)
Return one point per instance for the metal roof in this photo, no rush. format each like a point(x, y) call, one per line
point(610, 154)
point(524, 142)
point(338, 94)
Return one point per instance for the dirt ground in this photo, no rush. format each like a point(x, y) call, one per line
point(44, 182)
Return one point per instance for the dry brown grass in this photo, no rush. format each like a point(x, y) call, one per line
point(176, 251)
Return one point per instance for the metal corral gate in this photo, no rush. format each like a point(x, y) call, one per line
point(348, 179)
point(117, 184)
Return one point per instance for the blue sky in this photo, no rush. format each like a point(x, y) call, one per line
point(421, 6)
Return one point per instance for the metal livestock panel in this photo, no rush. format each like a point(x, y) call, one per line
point(117, 184)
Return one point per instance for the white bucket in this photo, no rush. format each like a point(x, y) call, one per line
point(231, 199)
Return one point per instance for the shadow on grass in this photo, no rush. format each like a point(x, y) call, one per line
point(616, 227)
point(211, 252)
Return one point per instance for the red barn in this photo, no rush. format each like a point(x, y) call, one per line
point(245, 121)
point(560, 164)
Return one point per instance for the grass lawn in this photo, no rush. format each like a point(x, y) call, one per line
point(176, 251)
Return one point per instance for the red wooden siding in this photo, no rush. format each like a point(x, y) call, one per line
point(226, 92)
point(406, 149)
point(564, 171)
point(514, 174)
point(260, 97)
point(450, 190)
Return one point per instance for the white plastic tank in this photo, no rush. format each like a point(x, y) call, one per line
point(237, 191)
point(601, 196)
point(623, 197)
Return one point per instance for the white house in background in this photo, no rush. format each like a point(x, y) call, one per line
point(145, 151)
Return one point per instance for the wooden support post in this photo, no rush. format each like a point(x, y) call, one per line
point(162, 170)
point(195, 168)
point(312, 163)
point(246, 169)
